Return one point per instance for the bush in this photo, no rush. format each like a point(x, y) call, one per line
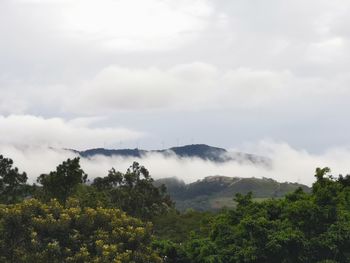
point(35, 232)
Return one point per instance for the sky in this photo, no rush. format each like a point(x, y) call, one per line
point(160, 73)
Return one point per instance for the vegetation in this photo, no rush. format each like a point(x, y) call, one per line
point(134, 192)
point(12, 182)
point(63, 182)
point(215, 192)
point(32, 231)
point(200, 151)
point(299, 228)
point(127, 217)
point(178, 227)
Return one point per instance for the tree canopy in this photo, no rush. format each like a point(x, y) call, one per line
point(299, 228)
point(134, 192)
point(32, 231)
point(12, 182)
point(64, 181)
point(109, 221)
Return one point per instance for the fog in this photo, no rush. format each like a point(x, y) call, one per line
point(57, 132)
point(288, 164)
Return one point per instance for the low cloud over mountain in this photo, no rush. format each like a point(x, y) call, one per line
point(286, 163)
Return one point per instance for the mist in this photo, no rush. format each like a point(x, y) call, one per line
point(288, 164)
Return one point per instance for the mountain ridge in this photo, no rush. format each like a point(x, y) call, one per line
point(201, 151)
point(216, 192)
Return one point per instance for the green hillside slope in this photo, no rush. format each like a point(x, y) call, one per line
point(216, 192)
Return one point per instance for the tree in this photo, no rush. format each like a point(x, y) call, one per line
point(63, 182)
point(300, 228)
point(12, 182)
point(34, 232)
point(134, 192)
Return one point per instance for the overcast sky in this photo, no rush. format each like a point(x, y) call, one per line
point(160, 73)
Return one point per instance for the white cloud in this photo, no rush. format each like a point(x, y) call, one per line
point(56, 132)
point(289, 164)
point(136, 25)
point(89, 57)
point(35, 160)
point(203, 86)
point(251, 58)
point(127, 25)
point(21, 97)
point(328, 51)
point(186, 87)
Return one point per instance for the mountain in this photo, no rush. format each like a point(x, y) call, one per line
point(213, 192)
point(216, 192)
point(109, 152)
point(201, 151)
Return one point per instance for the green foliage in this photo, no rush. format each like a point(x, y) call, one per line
point(176, 231)
point(35, 232)
point(215, 192)
point(12, 182)
point(170, 252)
point(89, 196)
point(178, 227)
point(134, 192)
point(300, 228)
point(63, 182)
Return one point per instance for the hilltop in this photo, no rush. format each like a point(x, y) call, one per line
point(216, 192)
point(201, 151)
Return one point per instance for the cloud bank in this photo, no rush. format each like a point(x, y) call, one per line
point(194, 86)
point(56, 132)
point(288, 164)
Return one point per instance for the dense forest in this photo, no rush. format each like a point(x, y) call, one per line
point(126, 217)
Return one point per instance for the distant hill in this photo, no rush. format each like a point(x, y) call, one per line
point(110, 152)
point(213, 192)
point(216, 192)
point(201, 151)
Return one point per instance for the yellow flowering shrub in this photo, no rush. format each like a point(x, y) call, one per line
point(32, 231)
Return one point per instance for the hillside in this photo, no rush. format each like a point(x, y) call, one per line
point(201, 151)
point(215, 192)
